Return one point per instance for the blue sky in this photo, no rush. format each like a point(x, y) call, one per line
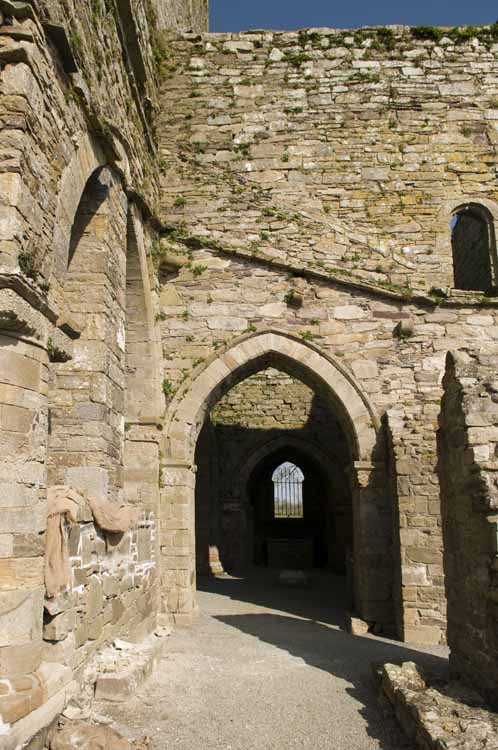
point(235, 15)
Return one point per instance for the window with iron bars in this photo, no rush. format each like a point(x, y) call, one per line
point(288, 491)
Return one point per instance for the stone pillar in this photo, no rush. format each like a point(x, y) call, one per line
point(418, 545)
point(86, 443)
point(23, 429)
point(177, 540)
point(372, 561)
point(234, 532)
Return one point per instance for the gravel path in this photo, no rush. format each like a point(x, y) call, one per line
point(267, 667)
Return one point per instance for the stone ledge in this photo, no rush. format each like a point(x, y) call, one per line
point(56, 685)
point(22, 695)
point(124, 667)
point(436, 714)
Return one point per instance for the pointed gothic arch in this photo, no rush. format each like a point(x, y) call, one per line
point(184, 420)
point(253, 352)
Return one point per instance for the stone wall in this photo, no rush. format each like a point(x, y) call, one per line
point(78, 189)
point(295, 215)
point(271, 399)
point(113, 592)
point(340, 152)
point(184, 15)
point(310, 181)
point(394, 350)
point(468, 441)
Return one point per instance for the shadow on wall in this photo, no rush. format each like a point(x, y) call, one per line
point(300, 625)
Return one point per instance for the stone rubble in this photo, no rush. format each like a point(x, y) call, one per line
point(435, 714)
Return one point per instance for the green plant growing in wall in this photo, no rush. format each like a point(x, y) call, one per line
point(55, 353)
point(298, 59)
point(27, 265)
point(293, 298)
point(426, 33)
point(168, 388)
point(180, 202)
point(198, 270)
point(386, 39)
point(307, 336)
point(244, 149)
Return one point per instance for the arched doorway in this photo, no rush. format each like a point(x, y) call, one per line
point(354, 416)
point(299, 519)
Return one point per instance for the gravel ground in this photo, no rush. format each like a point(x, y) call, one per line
point(267, 667)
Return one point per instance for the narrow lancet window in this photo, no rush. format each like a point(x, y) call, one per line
point(288, 491)
point(474, 249)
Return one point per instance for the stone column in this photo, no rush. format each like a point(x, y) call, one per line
point(418, 544)
point(86, 443)
point(177, 540)
point(372, 544)
point(23, 430)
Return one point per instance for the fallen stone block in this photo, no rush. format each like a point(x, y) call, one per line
point(124, 667)
point(78, 734)
point(357, 626)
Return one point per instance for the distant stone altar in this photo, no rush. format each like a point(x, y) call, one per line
point(290, 554)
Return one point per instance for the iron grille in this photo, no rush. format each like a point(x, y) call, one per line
point(288, 491)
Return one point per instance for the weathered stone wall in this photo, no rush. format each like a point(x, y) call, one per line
point(184, 15)
point(394, 350)
point(112, 591)
point(271, 399)
point(468, 440)
point(310, 180)
point(341, 152)
point(78, 97)
point(23, 431)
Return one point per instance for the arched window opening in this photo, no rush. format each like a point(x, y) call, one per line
point(474, 249)
point(288, 491)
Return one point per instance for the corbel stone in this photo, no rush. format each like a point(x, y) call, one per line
point(17, 9)
point(18, 317)
point(59, 346)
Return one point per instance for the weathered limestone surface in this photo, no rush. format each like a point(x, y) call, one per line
point(78, 182)
point(341, 152)
point(183, 15)
point(435, 714)
point(310, 179)
point(468, 441)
